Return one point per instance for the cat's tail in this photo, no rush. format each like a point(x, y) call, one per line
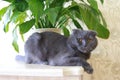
point(20, 58)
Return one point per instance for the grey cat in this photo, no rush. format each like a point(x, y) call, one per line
point(54, 49)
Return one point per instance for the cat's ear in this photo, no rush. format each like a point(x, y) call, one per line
point(93, 33)
point(76, 31)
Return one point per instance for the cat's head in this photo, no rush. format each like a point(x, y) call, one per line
point(84, 40)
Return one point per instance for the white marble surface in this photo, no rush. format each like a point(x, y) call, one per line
point(19, 69)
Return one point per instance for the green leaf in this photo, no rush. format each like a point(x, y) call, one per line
point(21, 5)
point(102, 31)
point(22, 17)
point(15, 16)
point(6, 27)
point(3, 11)
point(37, 7)
point(15, 38)
point(15, 45)
point(7, 16)
point(66, 31)
point(9, 0)
point(94, 4)
point(48, 2)
point(77, 24)
point(18, 17)
point(103, 20)
point(102, 1)
point(93, 21)
point(63, 20)
point(22, 37)
point(52, 14)
point(57, 3)
point(26, 26)
point(74, 10)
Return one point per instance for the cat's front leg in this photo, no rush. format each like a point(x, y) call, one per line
point(87, 67)
point(77, 61)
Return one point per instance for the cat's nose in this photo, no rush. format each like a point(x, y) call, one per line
point(84, 43)
point(85, 51)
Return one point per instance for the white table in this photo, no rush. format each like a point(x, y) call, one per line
point(21, 71)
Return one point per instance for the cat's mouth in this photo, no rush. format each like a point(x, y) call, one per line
point(83, 50)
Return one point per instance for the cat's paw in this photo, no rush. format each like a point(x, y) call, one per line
point(44, 63)
point(41, 62)
point(89, 70)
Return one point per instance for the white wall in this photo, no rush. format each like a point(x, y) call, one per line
point(106, 58)
point(7, 53)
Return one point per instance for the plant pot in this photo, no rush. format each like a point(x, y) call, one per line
point(42, 30)
point(48, 29)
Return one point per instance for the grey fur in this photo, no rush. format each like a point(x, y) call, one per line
point(51, 48)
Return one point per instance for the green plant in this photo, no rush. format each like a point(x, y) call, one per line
point(27, 14)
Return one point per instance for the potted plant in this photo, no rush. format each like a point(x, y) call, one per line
point(37, 14)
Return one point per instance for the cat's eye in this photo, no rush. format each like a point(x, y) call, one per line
point(89, 40)
point(80, 40)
